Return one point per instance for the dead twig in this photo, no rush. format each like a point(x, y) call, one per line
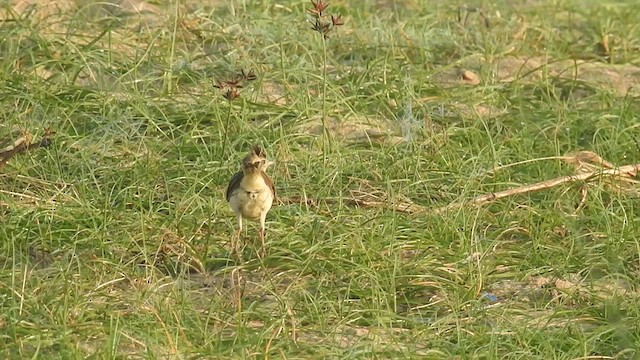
point(587, 172)
point(23, 144)
point(407, 207)
point(588, 166)
point(361, 198)
point(486, 198)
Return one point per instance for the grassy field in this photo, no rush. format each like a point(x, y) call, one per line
point(115, 240)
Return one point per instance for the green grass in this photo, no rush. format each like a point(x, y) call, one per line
point(114, 241)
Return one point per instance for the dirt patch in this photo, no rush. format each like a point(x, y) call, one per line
point(272, 93)
point(569, 289)
point(39, 10)
point(620, 79)
point(355, 129)
point(428, 116)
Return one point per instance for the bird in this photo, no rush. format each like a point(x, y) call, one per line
point(251, 192)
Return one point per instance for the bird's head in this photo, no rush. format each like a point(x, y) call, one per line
point(256, 161)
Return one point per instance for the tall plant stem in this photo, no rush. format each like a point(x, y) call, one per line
point(326, 137)
point(226, 131)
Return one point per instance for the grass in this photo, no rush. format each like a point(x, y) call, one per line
point(114, 241)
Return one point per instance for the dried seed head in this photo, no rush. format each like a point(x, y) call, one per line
point(231, 86)
point(318, 7)
point(232, 94)
point(322, 24)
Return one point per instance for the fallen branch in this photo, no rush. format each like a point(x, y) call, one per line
point(588, 166)
point(587, 176)
point(23, 144)
point(405, 207)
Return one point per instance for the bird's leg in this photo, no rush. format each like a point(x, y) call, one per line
point(263, 218)
point(236, 240)
point(262, 247)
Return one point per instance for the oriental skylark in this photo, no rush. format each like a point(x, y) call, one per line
point(251, 192)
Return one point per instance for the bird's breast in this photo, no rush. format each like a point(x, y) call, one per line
point(252, 198)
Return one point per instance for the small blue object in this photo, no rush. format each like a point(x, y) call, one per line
point(488, 296)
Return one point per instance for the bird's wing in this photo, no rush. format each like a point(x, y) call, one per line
point(234, 184)
point(269, 183)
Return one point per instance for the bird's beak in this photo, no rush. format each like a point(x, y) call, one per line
point(268, 163)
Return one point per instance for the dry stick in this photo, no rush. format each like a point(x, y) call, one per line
point(405, 207)
point(579, 157)
point(412, 208)
point(486, 198)
point(22, 144)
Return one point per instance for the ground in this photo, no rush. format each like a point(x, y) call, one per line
point(455, 180)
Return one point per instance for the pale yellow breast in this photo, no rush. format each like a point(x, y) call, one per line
point(252, 198)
